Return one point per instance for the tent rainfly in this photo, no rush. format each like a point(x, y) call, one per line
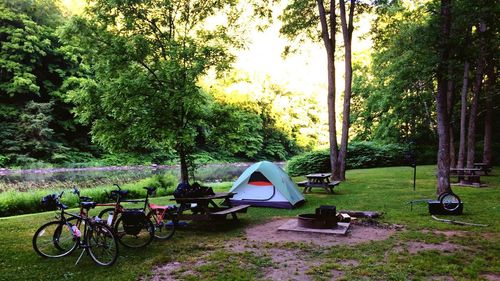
point(267, 185)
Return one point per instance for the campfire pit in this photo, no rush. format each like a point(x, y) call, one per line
point(316, 222)
point(325, 217)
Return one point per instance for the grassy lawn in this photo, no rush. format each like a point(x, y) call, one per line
point(198, 253)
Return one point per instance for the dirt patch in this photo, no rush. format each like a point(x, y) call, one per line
point(170, 271)
point(446, 247)
point(447, 233)
point(289, 265)
point(337, 274)
point(163, 273)
point(491, 235)
point(350, 263)
point(491, 276)
point(358, 233)
point(264, 240)
point(442, 278)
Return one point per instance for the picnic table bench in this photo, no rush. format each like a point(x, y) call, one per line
point(205, 208)
point(467, 176)
point(321, 180)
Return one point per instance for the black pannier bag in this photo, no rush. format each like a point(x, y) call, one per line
point(203, 190)
point(133, 221)
point(49, 202)
point(184, 190)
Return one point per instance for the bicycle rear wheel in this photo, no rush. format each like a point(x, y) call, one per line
point(144, 236)
point(103, 248)
point(165, 228)
point(54, 240)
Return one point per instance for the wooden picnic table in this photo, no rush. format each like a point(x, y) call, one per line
point(321, 180)
point(206, 208)
point(467, 176)
point(483, 167)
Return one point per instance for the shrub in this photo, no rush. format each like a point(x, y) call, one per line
point(359, 155)
point(17, 203)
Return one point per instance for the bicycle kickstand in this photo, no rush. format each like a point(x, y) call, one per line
point(80, 257)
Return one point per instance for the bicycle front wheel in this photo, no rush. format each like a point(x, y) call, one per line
point(164, 229)
point(54, 240)
point(105, 216)
point(103, 248)
point(137, 239)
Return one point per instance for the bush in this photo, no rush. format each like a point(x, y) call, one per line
point(17, 203)
point(359, 155)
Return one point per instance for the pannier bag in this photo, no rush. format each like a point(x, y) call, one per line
point(184, 190)
point(133, 221)
point(49, 202)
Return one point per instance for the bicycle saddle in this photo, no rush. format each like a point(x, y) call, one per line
point(88, 205)
point(120, 193)
point(85, 198)
point(150, 190)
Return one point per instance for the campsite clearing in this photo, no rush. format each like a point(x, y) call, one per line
point(423, 250)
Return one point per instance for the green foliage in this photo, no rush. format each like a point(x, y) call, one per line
point(16, 203)
point(263, 122)
point(310, 162)
point(148, 57)
point(359, 155)
point(396, 99)
point(234, 131)
point(394, 90)
point(35, 123)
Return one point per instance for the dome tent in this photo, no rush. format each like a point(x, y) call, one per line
point(267, 185)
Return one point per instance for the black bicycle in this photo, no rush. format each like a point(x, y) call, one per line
point(68, 232)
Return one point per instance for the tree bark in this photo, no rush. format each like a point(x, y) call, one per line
point(471, 133)
point(443, 159)
point(463, 116)
point(184, 165)
point(347, 29)
point(450, 103)
point(488, 118)
point(328, 35)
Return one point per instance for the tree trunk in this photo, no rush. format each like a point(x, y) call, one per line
point(450, 103)
point(184, 166)
point(347, 29)
point(471, 133)
point(443, 159)
point(488, 119)
point(328, 35)
point(463, 116)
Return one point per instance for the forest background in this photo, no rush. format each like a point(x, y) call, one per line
point(269, 105)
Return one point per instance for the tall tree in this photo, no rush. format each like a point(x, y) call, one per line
point(148, 57)
point(347, 29)
point(471, 130)
point(488, 118)
point(463, 116)
point(443, 159)
point(300, 18)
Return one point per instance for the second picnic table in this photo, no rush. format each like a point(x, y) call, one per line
point(467, 176)
point(206, 208)
point(321, 180)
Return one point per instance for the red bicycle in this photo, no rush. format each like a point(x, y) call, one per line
point(163, 218)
